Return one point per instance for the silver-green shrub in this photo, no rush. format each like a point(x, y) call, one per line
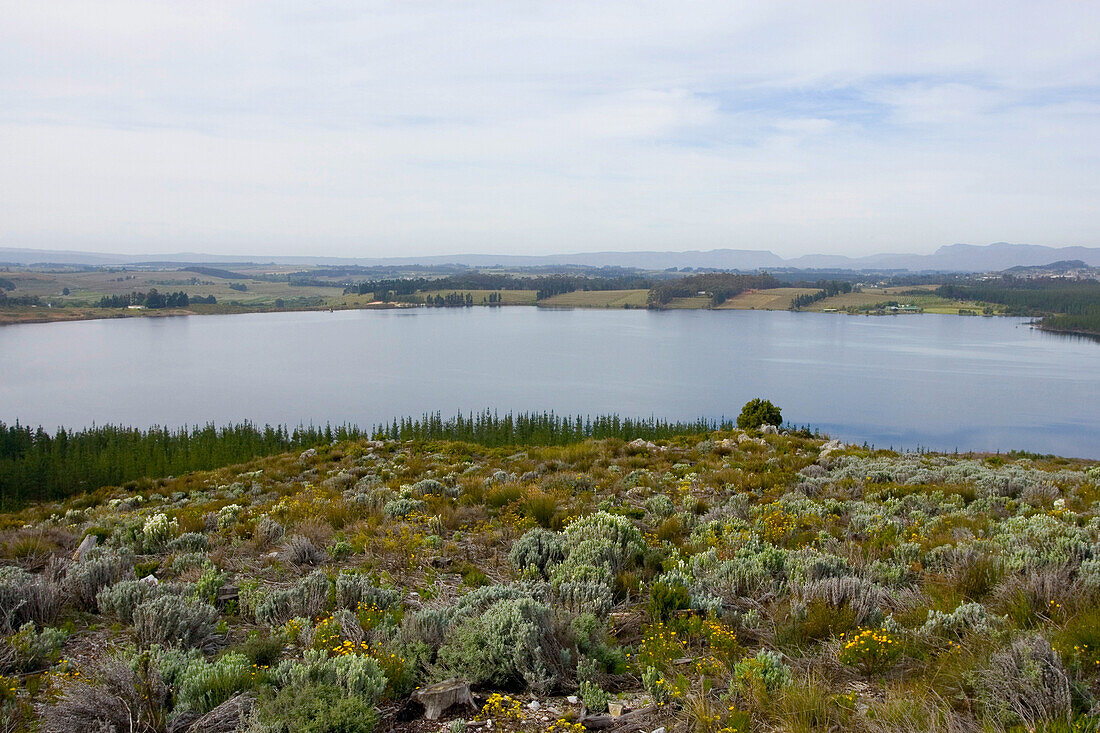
point(308, 597)
point(353, 589)
point(539, 548)
point(172, 620)
point(99, 568)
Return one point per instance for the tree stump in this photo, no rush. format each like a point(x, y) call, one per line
point(443, 695)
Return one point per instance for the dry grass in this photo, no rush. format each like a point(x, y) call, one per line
point(776, 299)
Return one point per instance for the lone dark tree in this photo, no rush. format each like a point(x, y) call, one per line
point(759, 412)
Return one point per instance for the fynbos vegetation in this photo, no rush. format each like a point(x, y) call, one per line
point(721, 580)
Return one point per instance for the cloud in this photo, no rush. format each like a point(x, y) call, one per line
point(438, 127)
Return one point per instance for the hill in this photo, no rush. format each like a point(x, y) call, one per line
point(714, 581)
point(950, 258)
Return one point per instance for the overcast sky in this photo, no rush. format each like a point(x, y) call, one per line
point(411, 128)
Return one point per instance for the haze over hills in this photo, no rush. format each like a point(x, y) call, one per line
point(948, 258)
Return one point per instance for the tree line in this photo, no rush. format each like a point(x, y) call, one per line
point(826, 289)
point(538, 428)
point(152, 299)
point(450, 300)
point(545, 285)
point(36, 465)
point(718, 286)
point(1031, 297)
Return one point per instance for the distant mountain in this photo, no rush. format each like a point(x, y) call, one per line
point(949, 258)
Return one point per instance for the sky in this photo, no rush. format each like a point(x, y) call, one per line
point(423, 128)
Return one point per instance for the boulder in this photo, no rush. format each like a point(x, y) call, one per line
point(769, 430)
point(86, 545)
point(150, 579)
point(442, 696)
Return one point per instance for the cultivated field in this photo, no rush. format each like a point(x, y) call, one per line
point(776, 299)
point(598, 299)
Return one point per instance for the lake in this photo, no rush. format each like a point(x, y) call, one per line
point(940, 382)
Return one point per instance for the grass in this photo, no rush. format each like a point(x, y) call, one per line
point(598, 299)
point(928, 302)
point(777, 299)
point(481, 297)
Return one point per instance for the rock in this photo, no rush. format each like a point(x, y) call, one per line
point(442, 696)
point(150, 579)
point(639, 444)
point(307, 454)
point(660, 730)
point(573, 700)
point(86, 544)
point(533, 706)
point(769, 430)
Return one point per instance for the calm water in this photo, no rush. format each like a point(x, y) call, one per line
point(941, 382)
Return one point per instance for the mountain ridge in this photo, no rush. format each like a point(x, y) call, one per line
point(947, 258)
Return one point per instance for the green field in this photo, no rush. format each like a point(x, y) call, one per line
point(481, 297)
point(928, 302)
point(598, 299)
point(774, 299)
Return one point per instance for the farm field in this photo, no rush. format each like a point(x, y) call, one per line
point(778, 299)
point(481, 297)
point(869, 297)
point(598, 299)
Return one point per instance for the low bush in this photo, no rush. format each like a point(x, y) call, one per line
point(313, 708)
point(309, 597)
point(1024, 684)
point(355, 590)
point(32, 650)
point(203, 686)
point(98, 569)
point(172, 620)
point(27, 598)
point(538, 548)
point(114, 696)
point(300, 550)
point(514, 643)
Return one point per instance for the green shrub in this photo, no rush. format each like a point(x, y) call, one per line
point(34, 650)
point(758, 412)
point(541, 507)
point(263, 650)
point(354, 675)
point(313, 708)
point(593, 697)
point(766, 670)
point(201, 687)
point(666, 598)
point(210, 582)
